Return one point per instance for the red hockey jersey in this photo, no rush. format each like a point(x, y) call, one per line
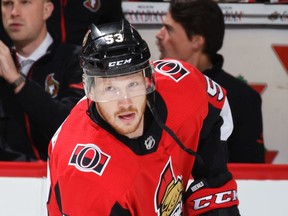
point(94, 172)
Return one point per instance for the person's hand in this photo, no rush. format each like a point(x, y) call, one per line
point(8, 70)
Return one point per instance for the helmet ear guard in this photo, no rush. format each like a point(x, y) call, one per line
point(88, 83)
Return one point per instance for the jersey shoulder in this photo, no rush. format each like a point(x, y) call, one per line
point(186, 80)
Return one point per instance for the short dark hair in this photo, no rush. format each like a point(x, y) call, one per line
point(202, 17)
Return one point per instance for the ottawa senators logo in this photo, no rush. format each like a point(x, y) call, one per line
point(172, 68)
point(89, 158)
point(51, 85)
point(168, 196)
point(92, 5)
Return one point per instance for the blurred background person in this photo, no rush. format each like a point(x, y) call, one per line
point(3, 35)
point(40, 81)
point(193, 31)
point(70, 19)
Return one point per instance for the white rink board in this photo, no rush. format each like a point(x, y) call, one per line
point(265, 197)
point(27, 197)
point(23, 196)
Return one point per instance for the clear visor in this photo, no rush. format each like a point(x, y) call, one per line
point(104, 89)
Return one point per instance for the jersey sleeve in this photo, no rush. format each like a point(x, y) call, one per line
point(53, 189)
point(213, 187)
point(52, 205)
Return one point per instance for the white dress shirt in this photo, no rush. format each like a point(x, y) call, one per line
point(27, 62)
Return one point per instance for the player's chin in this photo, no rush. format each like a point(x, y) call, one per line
point(127, 130)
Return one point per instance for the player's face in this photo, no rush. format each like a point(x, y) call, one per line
point(125, 104)
point(172, 40)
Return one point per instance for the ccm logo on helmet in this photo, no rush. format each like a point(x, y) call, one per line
point(119, 63)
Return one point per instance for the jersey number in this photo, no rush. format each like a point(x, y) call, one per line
point(214, 89)
point(111, 38)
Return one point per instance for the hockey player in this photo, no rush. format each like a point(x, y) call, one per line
point(144, 134)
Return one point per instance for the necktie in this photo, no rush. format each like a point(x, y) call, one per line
point(26, 65)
